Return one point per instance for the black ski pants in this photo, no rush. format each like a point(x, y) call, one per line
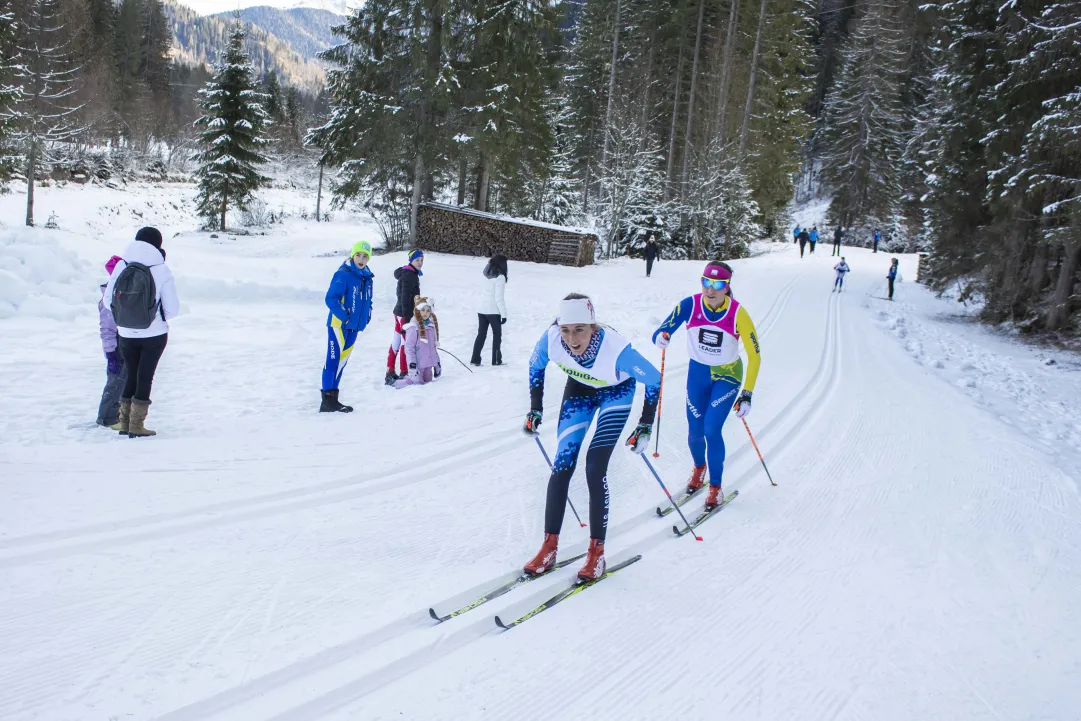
point(649, 266)
point(141, 356)
point(890, 280)
point(836, 247)
point(483, 321)
point(802, 245)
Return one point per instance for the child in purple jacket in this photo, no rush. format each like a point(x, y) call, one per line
point(115, 372)
point(421, 346)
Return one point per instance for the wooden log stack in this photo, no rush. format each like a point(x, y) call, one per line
point(462, 231)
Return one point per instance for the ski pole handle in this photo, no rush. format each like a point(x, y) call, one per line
point(660, 399)
point(758, 452)
point(550, 466)
point(670, 499)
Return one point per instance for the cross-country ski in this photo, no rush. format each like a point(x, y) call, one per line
point(500, 590)
point(705, 515)
point(574, 589)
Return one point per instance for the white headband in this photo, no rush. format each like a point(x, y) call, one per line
point(578, 311)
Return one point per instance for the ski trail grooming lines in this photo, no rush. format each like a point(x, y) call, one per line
point(549, 462)
point(565, 594)
point(660, 399)
point(663, 488)
point(500, 590)
point(704, 516)
point(758, 452)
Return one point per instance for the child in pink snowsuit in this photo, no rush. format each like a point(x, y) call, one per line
point(421, 346)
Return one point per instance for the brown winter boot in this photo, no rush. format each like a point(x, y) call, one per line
point(698, 477)
point(595, 566)
point(714, 498)
point(125, 415)
point(138, 418)
point(545, 560)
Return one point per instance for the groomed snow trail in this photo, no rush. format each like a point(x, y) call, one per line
point(920, 558)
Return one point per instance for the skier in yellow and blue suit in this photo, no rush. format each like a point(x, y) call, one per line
point(716, 326)
point(350, 301)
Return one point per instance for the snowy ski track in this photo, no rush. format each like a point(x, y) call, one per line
point(920, 557)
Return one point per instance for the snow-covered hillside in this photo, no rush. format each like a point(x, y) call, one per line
point(920, 557)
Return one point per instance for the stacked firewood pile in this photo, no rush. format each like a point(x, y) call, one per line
point(450, 229)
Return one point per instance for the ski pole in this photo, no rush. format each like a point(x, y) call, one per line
point(549, 462)
point(758, 451)
point(660, 397)
point(457, 359)
point(670, 499)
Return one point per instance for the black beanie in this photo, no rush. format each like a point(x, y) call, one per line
point(150, 235)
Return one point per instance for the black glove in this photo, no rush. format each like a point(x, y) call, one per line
point(502, 321)
point(532, 423)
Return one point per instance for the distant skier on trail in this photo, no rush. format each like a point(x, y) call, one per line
point(842, 269)
point(875, 239)
point(813, 238)
point(421, 346)
point(795, 234)
point(838, 233)
point(893, 275)
point(804, 238)
point(716, 326)
point(602, 371)
point(349, 299)
point(408, 277)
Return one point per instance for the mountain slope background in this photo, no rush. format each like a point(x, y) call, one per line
point(283, 41)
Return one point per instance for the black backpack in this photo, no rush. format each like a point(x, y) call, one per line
point(135, 298)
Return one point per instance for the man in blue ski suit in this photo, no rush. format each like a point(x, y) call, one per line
point(349, 299)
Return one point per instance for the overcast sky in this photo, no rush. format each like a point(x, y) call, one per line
point(208, 7)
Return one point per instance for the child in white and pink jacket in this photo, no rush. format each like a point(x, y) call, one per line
point(421, 346)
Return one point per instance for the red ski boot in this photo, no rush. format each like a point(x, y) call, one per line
point(714, 498)
point(698, 477)
point(595, 565)
point(545, 560)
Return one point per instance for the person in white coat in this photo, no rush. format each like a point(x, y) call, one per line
point(142, 298)
point(492, 310)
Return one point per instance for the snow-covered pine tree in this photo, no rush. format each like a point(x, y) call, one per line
point(390, 88)
point(47, 78)
point(863, 138)
point(1049, 163)
point(232, 131)
point(10, 95)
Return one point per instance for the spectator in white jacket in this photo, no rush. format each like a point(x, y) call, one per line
point(493, 309)
point(142, 298)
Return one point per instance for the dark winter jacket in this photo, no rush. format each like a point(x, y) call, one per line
point(350, 297)
point(408, 278)
point(838, 234)
point(652, 251)
point(804, 236)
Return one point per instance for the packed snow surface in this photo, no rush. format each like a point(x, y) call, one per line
point(920, 557)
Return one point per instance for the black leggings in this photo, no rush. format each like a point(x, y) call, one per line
point(649, 266)
point(891, 287)
point(611, 405)
point(141, 356)
point(483, 321)
point(802, 245)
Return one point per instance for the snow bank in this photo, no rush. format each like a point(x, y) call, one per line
point(38, 278)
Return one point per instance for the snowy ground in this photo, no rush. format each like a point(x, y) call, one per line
point(920, 558)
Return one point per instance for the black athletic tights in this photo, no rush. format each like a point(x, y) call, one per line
point(141, 356)
point(611, 405)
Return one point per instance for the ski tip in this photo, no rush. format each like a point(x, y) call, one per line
point(660, 513)
point(675, 530)
point(499, 622)
point(434, 615)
